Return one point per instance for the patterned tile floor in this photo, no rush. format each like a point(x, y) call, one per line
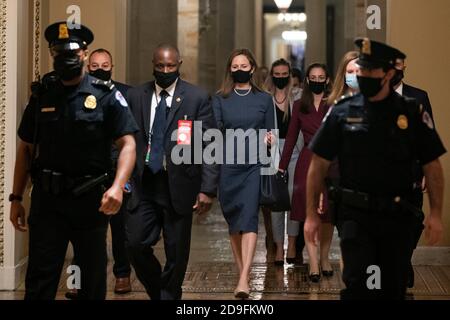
point(212, 276)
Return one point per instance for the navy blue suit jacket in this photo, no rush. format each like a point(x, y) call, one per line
point(186, 181)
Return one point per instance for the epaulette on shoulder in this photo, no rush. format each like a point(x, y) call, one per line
point(343, 99)
point(49, 76)
point(105, 84)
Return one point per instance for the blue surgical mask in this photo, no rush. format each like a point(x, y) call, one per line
point(352, 81)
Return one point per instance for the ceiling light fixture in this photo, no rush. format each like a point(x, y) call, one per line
point(283, 5)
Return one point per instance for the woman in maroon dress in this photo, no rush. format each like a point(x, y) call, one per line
point(307, 117)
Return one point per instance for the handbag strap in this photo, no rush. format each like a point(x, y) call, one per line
point(277, 158)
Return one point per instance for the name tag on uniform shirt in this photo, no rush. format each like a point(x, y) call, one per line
point(47, 110)
point(184, 132)
point(355, 120)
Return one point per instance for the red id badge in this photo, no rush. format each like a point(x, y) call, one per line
point(184, 132)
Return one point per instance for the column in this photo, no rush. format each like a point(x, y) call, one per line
point(150, 24)
point(259, 31)
point(207, 45)
point(15, 77)
point(316, 29)
point(188, 38)
point(120, 39)
point(378, 34)
point(249, 27)
point(245, 25)
point(217, 30)
point(225, 38)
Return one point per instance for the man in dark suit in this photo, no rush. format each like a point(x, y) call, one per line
point(165, 194)
point(409, 91)
point(422, 98)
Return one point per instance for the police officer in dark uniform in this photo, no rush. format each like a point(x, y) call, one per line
point(66, 135)
point(377, 135)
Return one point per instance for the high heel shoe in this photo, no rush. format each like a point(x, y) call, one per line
point(279, 257)
point(241, 294)
point(327, 273)
point(314, 277)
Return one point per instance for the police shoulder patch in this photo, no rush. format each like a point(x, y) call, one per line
point(105, 84)
point(121, 99)
point(426, 118)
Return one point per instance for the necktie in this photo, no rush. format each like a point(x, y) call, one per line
point(158, 134)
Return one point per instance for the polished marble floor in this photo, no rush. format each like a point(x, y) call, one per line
point(212, 276)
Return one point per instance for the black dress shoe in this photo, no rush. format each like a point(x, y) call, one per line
point(279, 263)
point(314, 277)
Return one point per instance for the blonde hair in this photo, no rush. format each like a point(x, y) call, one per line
point(260, 76)
point(340, 87)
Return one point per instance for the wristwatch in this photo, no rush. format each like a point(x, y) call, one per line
point(13, 197)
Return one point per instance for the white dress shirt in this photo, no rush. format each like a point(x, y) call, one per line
point(400, 89)
point(156, 99)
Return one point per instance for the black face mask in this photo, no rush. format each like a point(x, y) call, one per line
point(101, 74)
point(317, 87)
point(281, 83)
point(370, 87)
point(241, 76)
point(399, 76)
point(68, 65)
point(165, 80)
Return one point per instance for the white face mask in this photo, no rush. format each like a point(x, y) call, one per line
point(352, 81)
point(296, 91)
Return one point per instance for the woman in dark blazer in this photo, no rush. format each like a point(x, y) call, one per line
point(307, 117)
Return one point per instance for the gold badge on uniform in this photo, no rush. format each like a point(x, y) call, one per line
point(63, 31)
point(366, 47)
point(90, 103)
point(402, 122)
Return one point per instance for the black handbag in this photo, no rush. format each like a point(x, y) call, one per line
point(274, 192)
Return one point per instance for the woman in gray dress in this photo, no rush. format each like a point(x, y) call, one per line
point(241, 106)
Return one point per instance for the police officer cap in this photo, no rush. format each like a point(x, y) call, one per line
point(375, 54)
point(62, 36)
